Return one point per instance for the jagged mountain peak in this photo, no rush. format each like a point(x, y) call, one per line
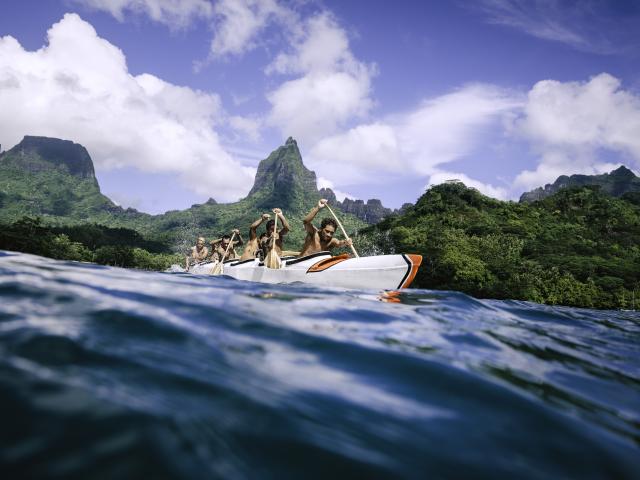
point(283, 178)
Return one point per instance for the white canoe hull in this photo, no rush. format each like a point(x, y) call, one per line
point(386, 272)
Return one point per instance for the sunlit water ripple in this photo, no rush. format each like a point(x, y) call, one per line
point(114, 373)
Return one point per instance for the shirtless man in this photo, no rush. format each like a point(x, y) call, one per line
point(198, 253)
point(253, 245)
point(264, 237)
point(320, 240)
point(219, 247)
point(267, 242)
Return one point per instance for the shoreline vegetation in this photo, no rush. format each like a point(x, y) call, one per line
point(117, 247)
point(578, 247)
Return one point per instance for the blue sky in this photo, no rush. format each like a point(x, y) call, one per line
point(177, 101)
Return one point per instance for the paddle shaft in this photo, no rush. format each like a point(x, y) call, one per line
point(225, 253)
point(343, 230)
point(275, 232)
point(272, 260)
point(228, 246)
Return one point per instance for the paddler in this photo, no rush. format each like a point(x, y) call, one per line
point(253, 245)
point(198, 253)
point(264, 237)
point(321, 240)
point(267, 243)
point(223, 249)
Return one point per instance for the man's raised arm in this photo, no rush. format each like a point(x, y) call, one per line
point(239, 241)
point(308, 226)
point(254, 226)
point(285, 225)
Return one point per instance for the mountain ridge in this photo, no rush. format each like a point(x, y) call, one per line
point(615, 183)
point(55, 179)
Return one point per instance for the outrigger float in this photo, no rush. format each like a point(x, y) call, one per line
point(384, 272)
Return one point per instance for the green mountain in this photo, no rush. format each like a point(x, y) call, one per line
point(282, 179)
point(54, 179)
point(617, 183)
point(578, 247)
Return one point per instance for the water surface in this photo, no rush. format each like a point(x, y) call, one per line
point(114, 373)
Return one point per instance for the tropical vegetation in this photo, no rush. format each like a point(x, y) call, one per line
point(118, 247)
point(578, 247)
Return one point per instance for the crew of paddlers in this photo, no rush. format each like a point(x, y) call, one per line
point(258, 246)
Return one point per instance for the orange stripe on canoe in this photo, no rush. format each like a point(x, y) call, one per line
point(415, 260)
point(327, 263)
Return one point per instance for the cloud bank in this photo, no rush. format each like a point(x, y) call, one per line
point(439, 131)
point(331, 87)
point(78, 87)
point(567, 127)
point(570, 125)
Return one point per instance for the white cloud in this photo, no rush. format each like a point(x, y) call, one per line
point(321, 46)
point(450, 127)
point(441, 130)
point(593, 114)
point(569, 125)
point(314, 106)
point(173, 13)
point(78, 87)
point(238, 23)
point(334, 87)
point(248, 128)
point(363, 154)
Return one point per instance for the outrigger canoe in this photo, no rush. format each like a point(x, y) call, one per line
point(386, 272)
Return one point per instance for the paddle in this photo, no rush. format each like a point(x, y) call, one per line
point(217, 269)
point(272, 260)
point(343, 231)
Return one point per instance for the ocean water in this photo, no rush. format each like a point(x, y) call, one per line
point(115, 373)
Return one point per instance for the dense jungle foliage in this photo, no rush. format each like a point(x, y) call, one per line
point(118, 247)
point(579, 247)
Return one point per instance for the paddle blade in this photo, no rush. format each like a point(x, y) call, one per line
point(272, 260)
point(216, 269)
